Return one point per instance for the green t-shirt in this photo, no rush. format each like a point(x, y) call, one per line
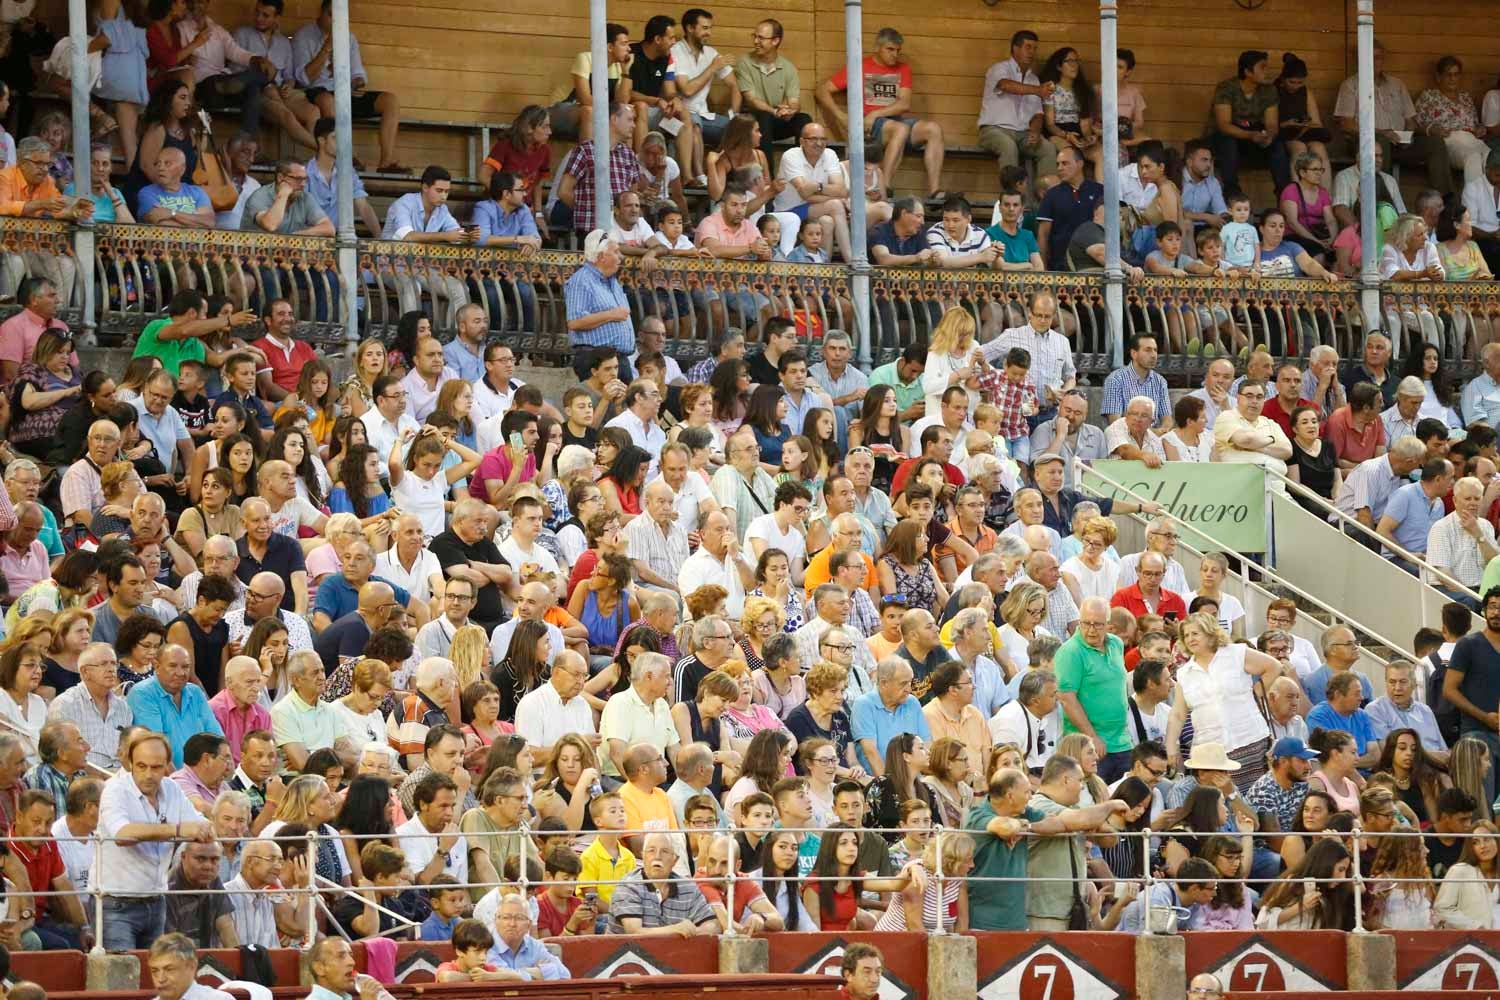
point(1098, 679)
point(997, 906)
point(171, 352)
point(1049, 860)
point(1246, 112)
point(906, 393)
point(1018, 248)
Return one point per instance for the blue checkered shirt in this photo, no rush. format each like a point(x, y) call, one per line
point(587, 292)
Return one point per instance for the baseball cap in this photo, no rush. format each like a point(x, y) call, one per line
point(1290, 746)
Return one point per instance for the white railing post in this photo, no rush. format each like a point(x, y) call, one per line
point(312, 892)
point(1109, 108)
point(98, 879)
point(729, 931)
point(1369, 276)
point(1359, 882)
point(937, 854)
point(859, 267)
point(1146, 890)
point(343, 117)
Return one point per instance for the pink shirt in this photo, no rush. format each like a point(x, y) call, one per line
point(19, 334)
point(22, 569)
point(236, 721)
point(496, 465)
point(1309, 214)
point(714, 227)
point(215, 56)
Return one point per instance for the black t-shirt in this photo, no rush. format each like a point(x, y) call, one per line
point(884, 235)
point(453, 551)
point(1441, 856)
point(1086, 235)
point(346, 637)
point(587, 439)
point(1066, 209)
point(762, 371)
point(283, 557)
point(194, 412)
point(646, 74)
point(921, 670)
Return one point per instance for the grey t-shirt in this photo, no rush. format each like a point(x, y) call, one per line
point(302, 211)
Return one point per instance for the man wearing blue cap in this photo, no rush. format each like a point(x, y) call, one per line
point(1282, 789)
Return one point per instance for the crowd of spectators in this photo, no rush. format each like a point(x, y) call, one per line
point(473, 664)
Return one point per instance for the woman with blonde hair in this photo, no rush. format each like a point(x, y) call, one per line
point(1081, 748)
point(742, 718)
point(1467, 765)
point(1091, 573)
point(72, 631)
point(1401, 883)
point(307, 800)
point(952, 359)
point(1023, 610)
point(761, 620)
point(470, 653)
point(1217, 689)
point(356, 394)
point(573, 769)
point(1469, 896)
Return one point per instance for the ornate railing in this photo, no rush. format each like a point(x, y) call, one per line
point(139, 268)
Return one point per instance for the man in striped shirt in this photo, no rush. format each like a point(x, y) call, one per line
point(598, 314)
point(254, 907)
point(1052, 370)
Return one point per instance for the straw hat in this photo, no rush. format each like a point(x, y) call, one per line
point(1210, 757)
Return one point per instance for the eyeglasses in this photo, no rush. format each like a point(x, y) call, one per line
point(826, 761)
point(843, 647)
point(395, 395)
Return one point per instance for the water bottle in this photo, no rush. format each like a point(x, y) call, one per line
point(595, 789)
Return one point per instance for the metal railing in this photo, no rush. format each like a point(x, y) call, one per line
point(137, 268)
point(319, 887)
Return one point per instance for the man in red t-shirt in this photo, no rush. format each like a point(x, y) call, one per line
point(286, 356)
point(58, 918)
point(936, 442)
point(1287, 398)
point(887, 99)
point(1147, 596)
point(862, 970)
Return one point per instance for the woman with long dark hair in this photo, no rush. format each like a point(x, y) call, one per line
point(906, 760)
point(767, 760)
point(604, 603)
point(293, 446)
point(357, 489)
point(764, 416)
point(366, 813)
point(1418, 781)
point(1070, 113)
point(621, 484)
point(1427, 365)
point(639, 637)
point(730, 383)
point(1316, 895)
point(778, 878)
point(348, 431)
point(413, 325)
point(1233, 901)
point(879, 429)
point(168, 123)
point(1312, 818)
point(227, 419)
point(524, 668)
point(242, 459)
point(834, 898)
point(1124, 855)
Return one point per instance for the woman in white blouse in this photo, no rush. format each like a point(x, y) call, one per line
point(1407, 255)
point(1024, 610)
point(22, 710)
point(952, 359)
point(1469, 896)
point(1217, 687)
point(1091, 573)
point(1189, 434)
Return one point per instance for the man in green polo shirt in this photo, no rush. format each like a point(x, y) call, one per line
point(905, 376)
point(1021, 250)
point(1091, 687)
point(179, 337)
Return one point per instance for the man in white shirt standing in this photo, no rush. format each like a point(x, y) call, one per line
point(642, 403)
point(143, 816)
point(694, 66)
point(815, 189)
point(557, 708)
point(1010, 109)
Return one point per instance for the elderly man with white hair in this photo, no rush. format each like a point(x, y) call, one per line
point(1480, 400)
point(1130, 436)
point(1462, 543)
point(515, 951)
point(1320, 383)
point(427, 706)
point(220, 558)
point(639, 714)
point(1161, 536)
point(1401, 418)
point(302, 721)
point(598, 312)
point(1031, 512)
point(656, 544)
point(649, 902)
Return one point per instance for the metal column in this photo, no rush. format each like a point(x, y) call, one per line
point(604, 201)
point(83, 234)
point(859, 267)
point(1109, 112)
point(1369, 266)
point(343, 119)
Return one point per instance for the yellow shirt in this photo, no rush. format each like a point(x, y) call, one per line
point(880, 647)
point(997, 648)
point(647, 811)
point(971, 729)
point(597, 864)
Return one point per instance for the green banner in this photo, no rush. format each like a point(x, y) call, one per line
point(1225, 501)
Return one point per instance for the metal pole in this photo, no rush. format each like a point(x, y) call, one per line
point(1359, 881)
point(1369, 264)
point(937, 854)
point(1146, 884)
point(729, 889)
point(343, 118)
point(604, 201)
point(83, 233)
point(859, 267)
point(312, 845)
point(98, 879)
point(1109, 110)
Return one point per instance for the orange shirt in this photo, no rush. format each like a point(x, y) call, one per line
point(817, 571)
point(15, 193)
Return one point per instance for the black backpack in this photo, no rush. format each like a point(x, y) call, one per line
point(1442, 708)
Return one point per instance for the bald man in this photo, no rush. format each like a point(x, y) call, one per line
point(408, 563)
point(847, 536)
point(656, 544)
point(171, 201)
point(535, 601)
point(719, 561)
point(263, 597)
point(277, 482)
point(237, 705)
point(346, 637)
